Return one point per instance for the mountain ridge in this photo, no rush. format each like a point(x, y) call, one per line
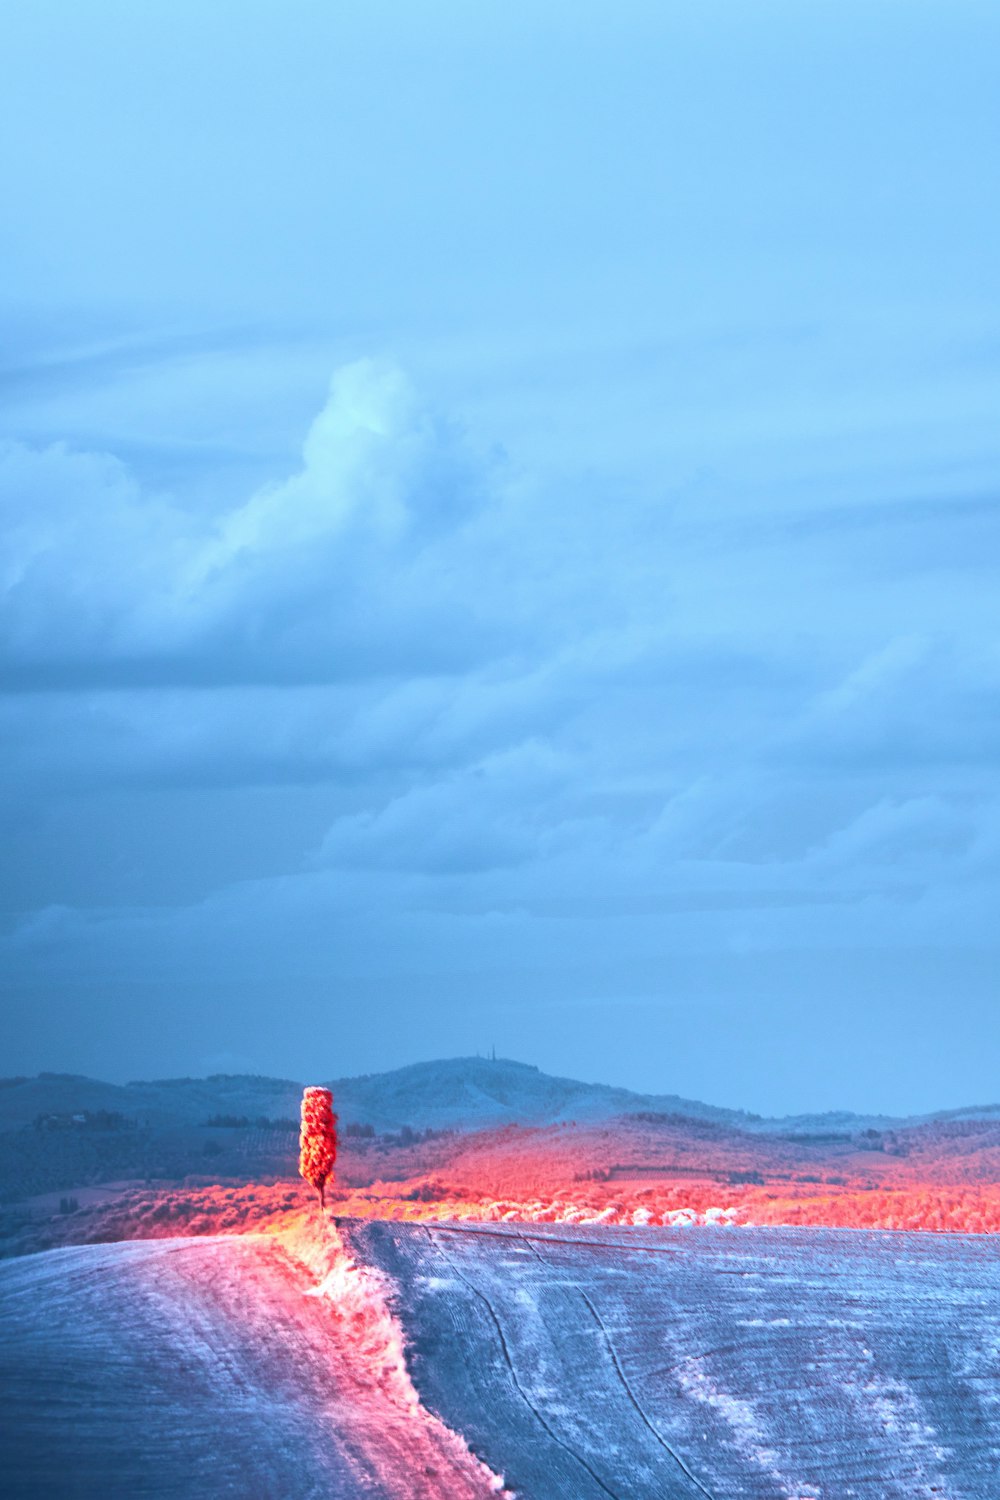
point(464, 1093)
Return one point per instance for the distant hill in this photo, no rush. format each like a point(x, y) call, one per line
point(465, 1093)
point(473, 1093)
point(165, 1103)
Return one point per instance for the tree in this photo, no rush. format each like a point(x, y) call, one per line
point(317, 1139)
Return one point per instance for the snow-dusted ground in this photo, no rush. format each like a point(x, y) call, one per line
point(707, 1362)
point(579, 1361)
point(240, 1366)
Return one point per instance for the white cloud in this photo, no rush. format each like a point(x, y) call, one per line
point(897, 835)
point(375, 462)
point(330, 573)
point(493, 728)
point(498, 812)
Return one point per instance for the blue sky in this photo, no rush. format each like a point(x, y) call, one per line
point(499, 530)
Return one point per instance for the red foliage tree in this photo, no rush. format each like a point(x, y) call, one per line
point(317, 1139)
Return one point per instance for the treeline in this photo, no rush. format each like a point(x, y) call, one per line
point(693, 1124)
point(882, 1140)
point(86, 1119)
point(250, 1122)
point(406, 1135)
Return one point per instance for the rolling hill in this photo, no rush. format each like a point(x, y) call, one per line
point(465, 1093)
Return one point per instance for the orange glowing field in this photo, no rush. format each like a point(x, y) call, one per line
point(635, 1171)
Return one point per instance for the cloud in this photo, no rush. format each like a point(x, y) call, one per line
point(462, 731)
point(499, 812)
point(338, 571)
point(915, 699)
point(374, 463)
point(897, 836)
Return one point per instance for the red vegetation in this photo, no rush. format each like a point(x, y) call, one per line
point(638, 1170)
point(149, 1213)
point(317, 1139)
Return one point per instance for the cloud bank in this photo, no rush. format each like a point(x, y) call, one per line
point(406, 730)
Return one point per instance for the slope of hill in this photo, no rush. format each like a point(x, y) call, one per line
point(211, 1367)
point(472, 1093)
point(464, 1093)
point(575, 1361)
point(735, 1365)
point(164, 1102)
point(477, 1128)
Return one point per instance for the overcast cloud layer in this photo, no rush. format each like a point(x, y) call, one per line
point(499, 541)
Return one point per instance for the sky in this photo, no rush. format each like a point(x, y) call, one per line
point(499, 543)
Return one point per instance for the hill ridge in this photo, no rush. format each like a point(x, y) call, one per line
point(445, 1093)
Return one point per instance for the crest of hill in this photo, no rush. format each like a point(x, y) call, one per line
point(162, 1103)
point(465, 1093)
point(473, 1093)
